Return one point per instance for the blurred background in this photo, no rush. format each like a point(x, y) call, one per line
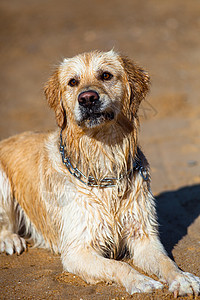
point(164, 38)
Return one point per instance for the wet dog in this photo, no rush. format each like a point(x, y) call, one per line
point(84, 190)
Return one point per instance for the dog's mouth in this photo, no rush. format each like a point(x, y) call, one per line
point(92, 119)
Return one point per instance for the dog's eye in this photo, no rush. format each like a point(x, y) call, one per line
point(106, 76)
point(73, 82)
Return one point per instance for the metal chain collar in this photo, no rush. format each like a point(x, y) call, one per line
point(94, 182)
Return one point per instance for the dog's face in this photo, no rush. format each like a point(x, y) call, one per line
point(94, 88)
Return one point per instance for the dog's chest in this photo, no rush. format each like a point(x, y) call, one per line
point(104, 219)
point(100, 218)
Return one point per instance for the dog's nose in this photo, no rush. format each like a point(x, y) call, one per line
point(88, 98)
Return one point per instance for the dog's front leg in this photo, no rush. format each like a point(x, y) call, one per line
point(145, 247)
point(150, 256)
point(94, 268)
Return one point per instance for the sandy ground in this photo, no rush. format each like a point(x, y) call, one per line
point(162, 36)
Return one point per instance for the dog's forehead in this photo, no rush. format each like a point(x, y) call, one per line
point(91, 62)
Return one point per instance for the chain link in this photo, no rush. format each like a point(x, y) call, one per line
point(102, 183)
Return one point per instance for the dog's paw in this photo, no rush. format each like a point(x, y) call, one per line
point(141, 284)
point(185, 284)
point(12, 243)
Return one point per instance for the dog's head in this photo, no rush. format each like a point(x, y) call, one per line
point(93, 89)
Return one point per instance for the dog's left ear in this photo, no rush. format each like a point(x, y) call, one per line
point(139, 82)
point(53, 93)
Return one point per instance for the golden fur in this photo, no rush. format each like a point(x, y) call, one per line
point(91, 227)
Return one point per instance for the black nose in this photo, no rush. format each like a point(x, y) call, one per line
point(88, 99)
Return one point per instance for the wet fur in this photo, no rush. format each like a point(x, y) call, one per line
point(91, 227)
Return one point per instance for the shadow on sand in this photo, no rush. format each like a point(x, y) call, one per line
point(176, 211)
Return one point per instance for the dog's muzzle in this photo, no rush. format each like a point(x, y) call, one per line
point(92, 111)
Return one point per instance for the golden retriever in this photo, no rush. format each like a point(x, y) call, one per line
point(84, 190)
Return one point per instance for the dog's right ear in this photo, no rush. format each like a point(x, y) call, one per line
point(53, 93)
